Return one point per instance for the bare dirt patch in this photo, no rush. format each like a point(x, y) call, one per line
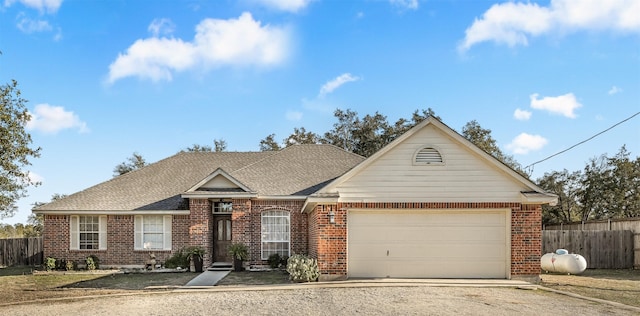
point(622, 286)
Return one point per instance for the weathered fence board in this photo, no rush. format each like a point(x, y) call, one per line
point(21, 251)
point(610, 249)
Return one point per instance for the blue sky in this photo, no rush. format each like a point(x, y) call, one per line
point(105, 79)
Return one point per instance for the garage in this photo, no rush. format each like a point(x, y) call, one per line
point(398, 243)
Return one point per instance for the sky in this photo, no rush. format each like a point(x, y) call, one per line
point(105, 79)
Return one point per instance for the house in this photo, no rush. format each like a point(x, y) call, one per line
point(428, 205)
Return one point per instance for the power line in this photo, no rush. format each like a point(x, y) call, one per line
point(582, 142)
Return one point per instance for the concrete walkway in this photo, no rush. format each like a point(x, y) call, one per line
point(207, 278)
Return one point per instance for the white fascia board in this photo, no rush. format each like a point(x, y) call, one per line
point(312, 201)
point(539, 198)
point(206, 195)
point(128, 212)
point(281, 197)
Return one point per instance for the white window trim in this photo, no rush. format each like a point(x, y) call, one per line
point(139, 233)
point(74, 232)
point(262, 241)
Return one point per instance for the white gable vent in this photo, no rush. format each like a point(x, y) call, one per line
point(428, 155)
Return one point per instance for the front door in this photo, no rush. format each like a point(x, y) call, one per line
point(221, 238)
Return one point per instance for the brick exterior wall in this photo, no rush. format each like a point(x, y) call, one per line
point(120, 241)
point(247, 220)
point(330, 244)
point(201, 227)
point(310, 233)
point(187, 230)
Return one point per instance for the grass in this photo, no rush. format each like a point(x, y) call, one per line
point(255, 278)
point(622, 286)
point(18, 284)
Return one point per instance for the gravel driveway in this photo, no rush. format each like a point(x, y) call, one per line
point(415, 300)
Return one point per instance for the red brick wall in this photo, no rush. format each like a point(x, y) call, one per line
point(526, 240)
point(331, 245)
point(201, 226)
point(120, 241)
point(246, 227)
point(312, 234)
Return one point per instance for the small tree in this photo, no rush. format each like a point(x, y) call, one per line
point(15, 149)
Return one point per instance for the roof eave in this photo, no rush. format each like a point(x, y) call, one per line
point(539, 198)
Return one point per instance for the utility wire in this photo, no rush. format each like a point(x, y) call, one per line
point(582, 142)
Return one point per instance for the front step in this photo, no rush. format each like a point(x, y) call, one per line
point(221, 266)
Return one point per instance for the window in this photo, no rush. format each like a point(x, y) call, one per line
point(88, 232)
point(222, 207)
point(152, 232)
point(427, 156)
point(275, 233)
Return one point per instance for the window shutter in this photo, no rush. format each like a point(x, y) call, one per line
point(167, 232)
point(74, 242)
point(102, 244)
point(138, 237)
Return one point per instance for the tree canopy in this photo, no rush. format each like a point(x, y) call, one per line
point(15, 149)
point(135, 162)
point(606, 188)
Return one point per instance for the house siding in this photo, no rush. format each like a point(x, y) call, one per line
point(331, 242)
point(464, 176)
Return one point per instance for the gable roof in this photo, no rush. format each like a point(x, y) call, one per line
point(533, 193)
point(295, 170)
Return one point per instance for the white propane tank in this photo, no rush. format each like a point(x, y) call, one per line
point(564, 262)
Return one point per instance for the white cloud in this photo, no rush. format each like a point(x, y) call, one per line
point(293, 115)
point(522, 115)
point(161, 27)
point(29, 26)
point(524, 143)
point(49, 6)
point(34, 177)
point(52, 119)
point(564, 105)
point(234, 42)
point(285, 5)
point(614, 90)
point(405, 4)
point(331, 85)
point(514, 23)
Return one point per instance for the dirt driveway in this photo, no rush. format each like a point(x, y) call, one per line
point(408, 300)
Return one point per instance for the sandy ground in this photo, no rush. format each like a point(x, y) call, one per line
point(415, 300)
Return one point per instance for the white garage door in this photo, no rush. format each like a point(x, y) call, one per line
point(428, 244)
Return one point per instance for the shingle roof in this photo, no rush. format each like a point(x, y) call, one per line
point(296, 170)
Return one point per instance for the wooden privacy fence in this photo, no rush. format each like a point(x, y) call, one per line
point(632, 224)
point(21, 251)
point(611, 249)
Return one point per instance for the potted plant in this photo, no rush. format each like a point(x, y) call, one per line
point(239, 252)
point(196, 255)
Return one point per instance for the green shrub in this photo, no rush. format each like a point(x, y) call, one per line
point(179, 259)
point(274, 261)
point(50, 263)
point(302, 268)
point(92, 262)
